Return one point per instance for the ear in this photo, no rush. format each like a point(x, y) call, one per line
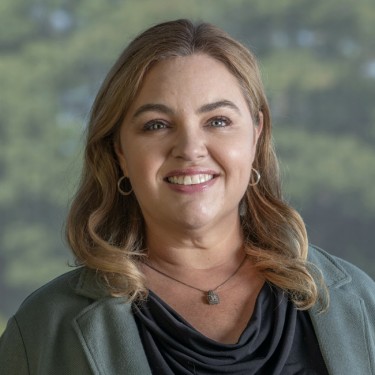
point(120, 157)
point(258, 127)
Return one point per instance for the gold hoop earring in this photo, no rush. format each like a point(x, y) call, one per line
point(122, 192)
point(257, 178)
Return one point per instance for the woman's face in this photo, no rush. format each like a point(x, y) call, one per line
point(187, 144)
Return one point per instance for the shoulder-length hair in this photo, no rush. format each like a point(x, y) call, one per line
point(106, 230)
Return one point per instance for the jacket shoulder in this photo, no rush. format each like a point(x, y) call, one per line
point(41, 330)
point(53, 305)
point(58, 292)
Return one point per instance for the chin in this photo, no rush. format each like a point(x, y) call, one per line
point(192, 220)
point(193, 224)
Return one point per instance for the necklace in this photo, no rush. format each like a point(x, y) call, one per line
point(211, 295)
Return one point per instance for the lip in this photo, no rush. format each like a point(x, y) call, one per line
point(195, 188)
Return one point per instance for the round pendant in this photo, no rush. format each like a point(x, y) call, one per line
point(213, 298)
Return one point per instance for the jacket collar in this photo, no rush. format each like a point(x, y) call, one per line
point(334, 274)
point(88, 285)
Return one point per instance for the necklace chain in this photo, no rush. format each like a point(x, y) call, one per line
point(211, 295)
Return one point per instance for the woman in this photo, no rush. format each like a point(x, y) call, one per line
point(191, 261)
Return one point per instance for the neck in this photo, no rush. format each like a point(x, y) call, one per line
point(195, 250)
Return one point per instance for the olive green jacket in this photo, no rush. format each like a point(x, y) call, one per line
point(71, 326)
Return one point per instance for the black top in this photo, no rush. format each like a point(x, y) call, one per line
point(277, 340)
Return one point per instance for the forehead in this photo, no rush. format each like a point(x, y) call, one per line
point(195, 77)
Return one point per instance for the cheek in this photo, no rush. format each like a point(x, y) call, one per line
point(142, 168)
point(241, 153)
point(240, 158)
point(136, 166)
point(238, 169)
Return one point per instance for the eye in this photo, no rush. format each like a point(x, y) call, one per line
point(154, 125)
point(219, 122)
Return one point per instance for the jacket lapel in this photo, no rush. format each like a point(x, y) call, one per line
point(341, 330)
point(108, 332)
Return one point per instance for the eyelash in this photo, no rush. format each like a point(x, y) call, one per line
point(155, 125)
point(227, 121)
point(150, 126)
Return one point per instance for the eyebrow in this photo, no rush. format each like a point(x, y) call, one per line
point(154, 107)
point(219, 104)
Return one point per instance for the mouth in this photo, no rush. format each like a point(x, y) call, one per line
point(190, 179)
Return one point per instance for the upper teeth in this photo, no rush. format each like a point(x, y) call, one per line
point(190, 180)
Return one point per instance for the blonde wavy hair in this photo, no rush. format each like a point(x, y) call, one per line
point(106, 230)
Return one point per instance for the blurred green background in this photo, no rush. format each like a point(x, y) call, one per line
point(318, 64)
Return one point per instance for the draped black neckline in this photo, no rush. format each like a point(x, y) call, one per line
point(278, 339)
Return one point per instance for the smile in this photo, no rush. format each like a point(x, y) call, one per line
point(190, 180)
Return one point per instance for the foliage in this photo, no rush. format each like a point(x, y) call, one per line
point(319, 69)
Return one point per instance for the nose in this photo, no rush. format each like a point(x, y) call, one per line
point(189, 143)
